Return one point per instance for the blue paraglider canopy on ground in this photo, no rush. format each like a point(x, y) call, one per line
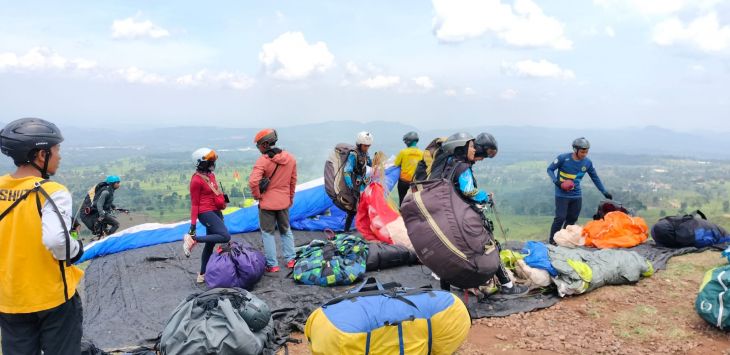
point(312, 210)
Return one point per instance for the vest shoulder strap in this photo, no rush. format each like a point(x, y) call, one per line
point(22, 197)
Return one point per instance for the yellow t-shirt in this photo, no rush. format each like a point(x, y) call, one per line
point(30, 277)
point(408, 159)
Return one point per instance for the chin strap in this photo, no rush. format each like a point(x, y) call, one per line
point(44, 169)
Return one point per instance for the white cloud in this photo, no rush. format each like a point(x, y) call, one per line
point(469, 92)
point(509, 94)
point(523, 25)
point(280, 17)
point(381, 81)
point(704, 33)
point(609, 31)
point(205, 78)
point(42, 58)
point(132, 28)
point(353, 69)
point(697, 68)
point(135, 75)
point(424, 82)
point(657, 8)
point(450, 92)
point(538, 69)
point(290, 57)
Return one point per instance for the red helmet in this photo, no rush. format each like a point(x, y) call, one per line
point(567, 185)
point(267, 135)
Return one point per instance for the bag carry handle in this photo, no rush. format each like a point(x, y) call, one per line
point(370, 281)
point(699, 213)
point(397, 293)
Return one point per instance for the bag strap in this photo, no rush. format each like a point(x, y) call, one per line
point(369, 281)
point(60, 218)
point(210, 184)
point(275, 169)
point(699, 213)
point(397, 293)
point(23, 197)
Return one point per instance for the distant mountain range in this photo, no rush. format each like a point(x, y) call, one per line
point(316, 140)
point(321, 137)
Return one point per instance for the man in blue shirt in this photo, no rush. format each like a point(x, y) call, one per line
point(571, 168)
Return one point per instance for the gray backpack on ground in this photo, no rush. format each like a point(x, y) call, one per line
point(218, 321)
point(334, 179)
point(449, 235)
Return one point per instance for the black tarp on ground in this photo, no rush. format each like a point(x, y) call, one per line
point(130, 295)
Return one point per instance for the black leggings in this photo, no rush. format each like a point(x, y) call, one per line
point(216, 232)
point(402, 190)
point(108, 221)
point(348, 220)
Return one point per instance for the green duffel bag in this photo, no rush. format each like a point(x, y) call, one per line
point(713, 301)
point(218, 321)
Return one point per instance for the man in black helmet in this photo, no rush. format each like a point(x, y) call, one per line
point(407, 160)
point(485, 145)
point(457, 156)
point(571, 168)
point(40, 309)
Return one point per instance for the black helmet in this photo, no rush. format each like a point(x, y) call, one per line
point(454, 141)
point(581, 143)
point(256, 313)
point(21, 138)
point(410, 137)
point(483, 142)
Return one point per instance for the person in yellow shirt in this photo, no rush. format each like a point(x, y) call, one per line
point(408, 159)
point(40, 309)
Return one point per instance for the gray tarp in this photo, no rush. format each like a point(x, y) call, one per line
point(131, 295)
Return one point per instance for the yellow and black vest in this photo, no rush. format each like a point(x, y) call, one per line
point(31, 279)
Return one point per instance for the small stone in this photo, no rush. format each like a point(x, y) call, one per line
point(501, 337)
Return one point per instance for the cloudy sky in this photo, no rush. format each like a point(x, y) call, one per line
point(440, 63)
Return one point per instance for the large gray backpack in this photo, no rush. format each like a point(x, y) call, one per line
point(449, 235)
point(334, 179)
point(218, 321)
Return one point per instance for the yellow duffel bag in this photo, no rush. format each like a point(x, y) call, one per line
point(375, 320)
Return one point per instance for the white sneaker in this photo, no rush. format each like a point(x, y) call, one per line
point(200, 279)
point(188, 244)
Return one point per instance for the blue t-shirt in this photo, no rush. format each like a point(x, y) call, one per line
point(567, 168)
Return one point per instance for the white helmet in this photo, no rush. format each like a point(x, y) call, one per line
point(364, 138)
point(204, 154)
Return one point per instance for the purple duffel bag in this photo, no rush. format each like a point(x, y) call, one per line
point(235, 265)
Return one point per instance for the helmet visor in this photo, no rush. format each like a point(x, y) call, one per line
point(211, 156)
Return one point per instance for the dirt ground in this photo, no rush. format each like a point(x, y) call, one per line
point(654, 316)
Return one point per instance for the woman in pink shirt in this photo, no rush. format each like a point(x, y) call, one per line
point(206, 203)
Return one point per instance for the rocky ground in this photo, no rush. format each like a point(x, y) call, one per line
point(654, 316)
